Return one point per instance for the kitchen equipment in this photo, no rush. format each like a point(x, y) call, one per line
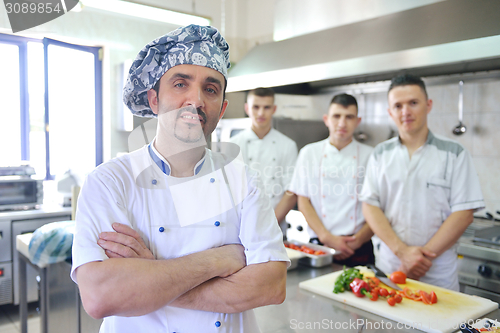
point(383, 277)
point(294, 257)
point(314, 260)
point(446, 315)
point(64, 185)
point(18, 190)
point(13, 223)
point(479, 260)
point(460, 128)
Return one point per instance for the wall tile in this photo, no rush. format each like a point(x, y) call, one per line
point(445, 98)
point(376, 104)
point(488, 97)
point(486, 139)
point(488, 170)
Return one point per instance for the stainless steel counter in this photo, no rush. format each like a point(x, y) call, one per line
point(304, 311)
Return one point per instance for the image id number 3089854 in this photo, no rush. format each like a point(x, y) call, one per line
point(32, 8)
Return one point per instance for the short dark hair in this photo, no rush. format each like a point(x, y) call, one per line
point(261, 92)
point(345, 100)
point(407, 80)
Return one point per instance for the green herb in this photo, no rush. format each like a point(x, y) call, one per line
point(344, 279)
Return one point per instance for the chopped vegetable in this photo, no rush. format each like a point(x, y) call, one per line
point(345, 278)
point(360, 288)
point(383, 292)
point(391, 301)
point(372, 281)
point(420, 295)
point(434, 297)
point(305, 249)
point(398, 277)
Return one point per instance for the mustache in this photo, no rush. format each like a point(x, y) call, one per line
point(191, 110)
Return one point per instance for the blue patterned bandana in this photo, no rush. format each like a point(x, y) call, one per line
point(191, 45)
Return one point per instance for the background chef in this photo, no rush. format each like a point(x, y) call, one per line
point(166, 273)
point(327, 180)
point(267, 151)
point(420, 191)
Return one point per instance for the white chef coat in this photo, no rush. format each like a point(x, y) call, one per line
point(133, 190)
point(417, 195)
point(332, 181)
point(272, 157)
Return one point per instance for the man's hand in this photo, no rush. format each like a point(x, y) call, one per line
point(124, 243)
point(415, 261)
point(339, 243)
point(231, 258)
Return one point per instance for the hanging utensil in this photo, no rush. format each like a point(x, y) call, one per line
point(460, 128)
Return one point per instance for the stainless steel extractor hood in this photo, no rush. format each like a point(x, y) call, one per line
point(450, 37)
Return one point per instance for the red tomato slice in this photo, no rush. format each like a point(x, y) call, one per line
point(434, 297)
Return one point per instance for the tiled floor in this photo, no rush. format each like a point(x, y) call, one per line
point(9, 319)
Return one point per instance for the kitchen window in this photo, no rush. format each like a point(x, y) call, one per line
point(62, 129)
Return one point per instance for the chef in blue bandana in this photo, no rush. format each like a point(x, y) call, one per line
point(173, 237)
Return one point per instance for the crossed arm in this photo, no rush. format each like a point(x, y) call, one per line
point(346, 244)
point(132, 283)
point(417, 260)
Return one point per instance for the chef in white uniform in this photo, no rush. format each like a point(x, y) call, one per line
point(327, 180)
point(173, 237)
point(271, 154)
point(420, 191)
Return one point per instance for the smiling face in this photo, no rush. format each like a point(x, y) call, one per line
point(408, 108)
point(341, 122)
point(195, 94)
point(260, 109)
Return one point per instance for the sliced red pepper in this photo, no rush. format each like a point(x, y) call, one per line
point(360, 288)
point(408, 293)
point(426, 298)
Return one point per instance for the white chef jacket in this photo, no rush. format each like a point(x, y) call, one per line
point(417, 195)
point(133, 190)
point(272, 157)
point(332, 181)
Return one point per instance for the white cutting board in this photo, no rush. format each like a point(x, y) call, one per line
point(446, 315)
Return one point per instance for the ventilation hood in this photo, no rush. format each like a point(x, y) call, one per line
point(450, 37)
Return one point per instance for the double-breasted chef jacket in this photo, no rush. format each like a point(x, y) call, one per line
point(332, 180)
point(273, 158)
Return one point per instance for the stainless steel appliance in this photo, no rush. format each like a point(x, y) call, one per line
point(479, 260)
point(18, 190)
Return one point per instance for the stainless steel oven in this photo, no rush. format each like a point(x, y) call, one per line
point(20, 193)
point(479, 260)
